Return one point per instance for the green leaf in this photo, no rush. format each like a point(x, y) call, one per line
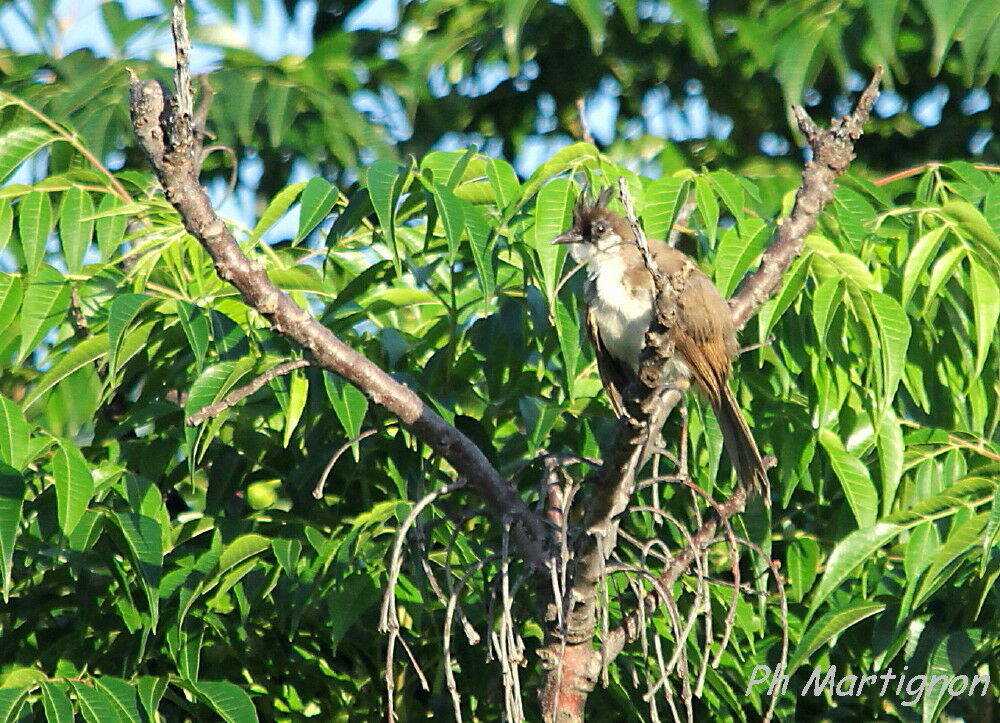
point(664, 198)
point(972, 222)
point(992, 532)
point(986, 308)
point(894, 334)
point(386, 181)
point(144, 539)
point(828, 626)
point(280, 112)
point(567, 159)
point(19, 144)
point(6, 225)
point(708, 207)
point(14, 434)
point(298, 393)
point(943, 270)
point(124, 309)
point(737, 250)
point(446, 168)
point(552, 216)
point(76, 227)
point(110, 226)
point(96, 705)
point(971, 491)
point(885, 17)
point(795, 55)
point(826, 300)
point(286, 552)
point(34, 223)
point(944, 15)
point(920, 548)
point(74, 484)
point(58, 708)
point(197, 329)
point(991, 205)
point(951, 655)
point(46, 301)
point(349, 404)
point(568, 331)
point(276, 209)
point(890, 456)
point(732, 193)
point(772, 310)
point(803, 566)
point(591, 14)
point(919, 259)
point(86, 352)
point(11, 293)
point(515, 15)
point(317, 200)
point(853, 212)
point(480, 243)
point(452, 216)
point(503, 179)
point(123, 696)
point(11, 701)
point(849, 553)
point(226, 699)
point(12, 490)
point(854, 479)
point(694, 19)
point(151, 691)
point(961, 540)
point(240, 549)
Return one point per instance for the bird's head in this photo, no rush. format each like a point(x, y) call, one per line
point(596, 228)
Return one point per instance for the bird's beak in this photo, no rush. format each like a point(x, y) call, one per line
point(568, 237)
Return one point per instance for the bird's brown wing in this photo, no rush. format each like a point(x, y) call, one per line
point(703, 335)
point(614, 375)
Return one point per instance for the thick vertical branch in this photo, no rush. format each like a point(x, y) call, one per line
point(573, 663)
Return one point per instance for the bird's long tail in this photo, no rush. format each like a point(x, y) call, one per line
point(740, 444)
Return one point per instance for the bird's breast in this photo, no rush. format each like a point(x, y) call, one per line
point(621, 314)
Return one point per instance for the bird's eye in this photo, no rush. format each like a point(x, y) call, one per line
point(600, 228)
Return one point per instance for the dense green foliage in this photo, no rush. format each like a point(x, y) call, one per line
point(152, 566)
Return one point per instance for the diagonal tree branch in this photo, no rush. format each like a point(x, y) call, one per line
point(162, 123)
point(832, 152)
point(573, 663)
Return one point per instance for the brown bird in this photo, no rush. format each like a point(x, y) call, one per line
point(620, 297)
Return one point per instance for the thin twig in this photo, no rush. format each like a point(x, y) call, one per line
point(216, 408)
point(317, 492)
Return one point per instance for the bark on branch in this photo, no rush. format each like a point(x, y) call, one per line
point(573, 663)
point(162, 123)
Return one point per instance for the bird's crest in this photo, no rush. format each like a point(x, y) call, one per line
point(586, 207)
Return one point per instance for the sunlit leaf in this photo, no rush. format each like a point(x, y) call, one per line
point(854, 479)
point(226, 699)
point(14, 434)
point(74, 484)
point(552, 216)
point(76, 227)
point(828, 626)
point(19, 144)
point(318, 198)
point(276, 209)
point(45, 303)
point(664, 198)
point(34, 222)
